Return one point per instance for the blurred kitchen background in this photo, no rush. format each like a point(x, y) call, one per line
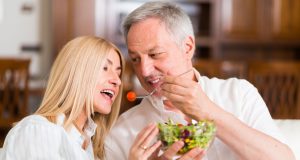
point(258, 40)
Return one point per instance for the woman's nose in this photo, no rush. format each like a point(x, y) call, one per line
point(115, 80)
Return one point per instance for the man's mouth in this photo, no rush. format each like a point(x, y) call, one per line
point(154, 82)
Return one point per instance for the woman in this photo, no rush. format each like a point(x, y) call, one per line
point(80, 105)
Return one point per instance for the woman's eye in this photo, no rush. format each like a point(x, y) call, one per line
point(105, 68)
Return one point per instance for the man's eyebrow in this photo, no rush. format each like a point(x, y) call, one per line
point(153, 49)
point(156, 49)
point(131, 52)
point(148, 51)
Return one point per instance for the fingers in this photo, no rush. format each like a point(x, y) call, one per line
point(172, 150)
point(148, 138)
point(142, 148)
point(168, 88)
point(144, 133)
point(181, 81)
point(200, 156)
point(195, 153)
point(152, 149)
point(178, 86)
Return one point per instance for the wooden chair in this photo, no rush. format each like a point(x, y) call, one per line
point(220, 69)
point(279, 85)
point(14, 75)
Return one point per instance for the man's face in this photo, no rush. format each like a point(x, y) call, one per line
point(154, 53)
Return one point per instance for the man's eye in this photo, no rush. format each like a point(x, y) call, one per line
point(153, 55)
point(135, 60)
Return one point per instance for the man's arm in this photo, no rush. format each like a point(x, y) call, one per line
point(246, 142)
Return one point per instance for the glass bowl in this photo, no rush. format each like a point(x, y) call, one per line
point(200, 134)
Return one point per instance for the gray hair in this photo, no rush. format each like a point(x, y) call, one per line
point(176, 21)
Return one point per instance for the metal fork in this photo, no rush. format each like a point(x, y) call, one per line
point(154, 90)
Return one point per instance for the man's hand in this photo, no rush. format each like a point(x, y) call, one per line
point(188, 96)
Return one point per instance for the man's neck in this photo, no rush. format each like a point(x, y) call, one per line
point(170, 107)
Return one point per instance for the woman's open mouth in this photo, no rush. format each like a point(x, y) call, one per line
point(108, 94)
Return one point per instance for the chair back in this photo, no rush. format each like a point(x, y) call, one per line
point(14, 75)
point(279, 85)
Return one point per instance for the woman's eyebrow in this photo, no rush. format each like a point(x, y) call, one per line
point(109, 61)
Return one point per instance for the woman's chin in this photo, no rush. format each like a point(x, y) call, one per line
point(103, 111)
point(106, 112)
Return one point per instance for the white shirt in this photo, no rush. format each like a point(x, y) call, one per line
point(36, 138)
point(235, 96)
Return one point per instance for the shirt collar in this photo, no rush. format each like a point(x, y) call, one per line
point(89, 129)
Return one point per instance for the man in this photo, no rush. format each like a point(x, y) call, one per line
point(161, 44)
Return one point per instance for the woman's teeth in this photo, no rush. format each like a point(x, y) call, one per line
point(110, 93)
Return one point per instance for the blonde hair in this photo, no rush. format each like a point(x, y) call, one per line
point(72, 83)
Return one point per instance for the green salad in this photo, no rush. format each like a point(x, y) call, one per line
point(200, 134)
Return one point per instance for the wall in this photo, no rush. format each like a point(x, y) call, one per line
point(25, 32)
point(71, 18)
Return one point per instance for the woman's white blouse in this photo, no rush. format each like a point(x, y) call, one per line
point(36, 138)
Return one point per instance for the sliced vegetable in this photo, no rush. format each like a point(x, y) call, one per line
point(199, 134)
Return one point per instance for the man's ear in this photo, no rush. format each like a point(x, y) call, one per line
point(189, 46)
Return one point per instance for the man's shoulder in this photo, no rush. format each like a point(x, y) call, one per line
point(216, 80)
point(227, 91)
point(230, 83)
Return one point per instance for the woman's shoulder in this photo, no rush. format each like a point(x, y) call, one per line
point(34, 137)
point(34, 126)
point(34, 130)
point(34, 121)
point(34, 118)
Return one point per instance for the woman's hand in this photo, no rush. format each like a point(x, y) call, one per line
point(142, 148)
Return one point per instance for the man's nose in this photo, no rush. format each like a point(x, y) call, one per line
point(146, 67)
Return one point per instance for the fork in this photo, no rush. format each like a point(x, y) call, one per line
point(155, 89)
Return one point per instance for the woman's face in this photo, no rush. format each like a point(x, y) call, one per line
point(108, 84)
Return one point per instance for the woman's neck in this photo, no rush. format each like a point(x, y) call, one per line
point(80, 121)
